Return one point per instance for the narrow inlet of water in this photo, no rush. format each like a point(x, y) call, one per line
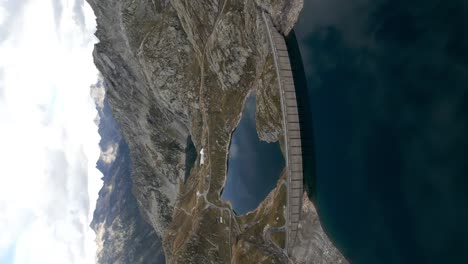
point(254, 166)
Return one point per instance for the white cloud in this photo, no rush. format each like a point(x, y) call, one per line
point(109, 155)
point(98, 93)
point(3, 15)
point(48, 138)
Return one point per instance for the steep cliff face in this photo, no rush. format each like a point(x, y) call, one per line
point(177, 69)
point(151, 73)
point(122, 234)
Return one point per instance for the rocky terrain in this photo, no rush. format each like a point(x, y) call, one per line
point(312, 245)
point(122, 235)
point(177, 72)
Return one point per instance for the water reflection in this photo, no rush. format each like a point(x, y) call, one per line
point(388, 90)
point(254, 166)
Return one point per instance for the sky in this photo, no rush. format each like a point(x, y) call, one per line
point(48, 135)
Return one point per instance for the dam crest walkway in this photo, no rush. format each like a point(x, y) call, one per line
point(292, 132)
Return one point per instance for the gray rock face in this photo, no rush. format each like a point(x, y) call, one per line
point(151, 54)
point(146, 61)
point(175, 69)
point(283, 13)
point(269, 113)
point(122, 235)
point(312, 245)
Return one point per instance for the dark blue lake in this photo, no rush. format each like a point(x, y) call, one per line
point(387, 91)
point(254, 166)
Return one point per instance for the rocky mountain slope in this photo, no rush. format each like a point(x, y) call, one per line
point(122, 235)
point(179, 70)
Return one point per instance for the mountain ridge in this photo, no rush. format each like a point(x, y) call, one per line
point(176, 72)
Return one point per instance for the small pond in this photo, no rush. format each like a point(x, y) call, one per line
point(254, 166)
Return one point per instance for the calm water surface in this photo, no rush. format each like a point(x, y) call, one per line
point(387, 84)
point(254, 166)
